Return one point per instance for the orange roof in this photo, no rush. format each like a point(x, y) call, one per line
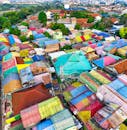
point(33, 18)
point(114, 20)
point(87, 25)
point(94, 15)
point(55, 11)
point(62, 14)
point(81, 20)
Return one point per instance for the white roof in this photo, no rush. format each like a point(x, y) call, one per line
point(111, 38)
point(55, 55)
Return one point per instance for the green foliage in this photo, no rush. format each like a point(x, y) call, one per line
point(47, 34)
point(123, 32)
point(79, 14)
point(25, 24)
point(23, 38)
point(90, 19)
point(103, 24)
point(42, 18)
point(4, 23)
point(123, 19)
point(123, 57)
point(15, 31)
point(56, 17)
point(31, 37)
point(82, 14)
point(66, 47)
point(14, 17)
point(62, 27)
point(99, 26)
point(78, 27)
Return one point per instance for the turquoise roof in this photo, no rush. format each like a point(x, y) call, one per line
point(72, 63)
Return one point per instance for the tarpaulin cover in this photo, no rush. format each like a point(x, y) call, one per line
point(21, 66)
point(36, 36)
point(81, 97)
point(24, 46)
point(52, 48)
point(43, 78)
point(104, 34)
point(90, 81)
point(105, 93)
point(85, 102)
point(77, 91)
point(40, 41)
point(38, 58)
point(60, 116)
point(44, 124)
point(38, 67)
point(11, 83)
point(72, 63)
point(100, 77)
point(104, 61)
point(121, 67)
point(26, 76)
point(28, 97)
point(8, 67)
point(30, 116)
point(3, 49)
point(49, 42)
point(94, 107)
point(11, 55)
point(50, 107)
point(13, 39)
point(123, 78)
point(4, 40)
point(119, 87)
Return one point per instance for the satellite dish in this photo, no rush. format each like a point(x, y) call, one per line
point(66, 6)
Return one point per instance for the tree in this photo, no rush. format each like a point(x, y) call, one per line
point(56, 17)
point(31, 37)
point(4, 23)
point(47, 34)
point(25, 24)
point(15, 31)
point(78, 27)
point(65, 31)
point(79, 14)
point(90, 19)
point(123, 19)
point(99, 26)
point(62, 27)
point(23, 38)
point(42, 18)
point(123, 32)
point(108, 23)
point(66, 47)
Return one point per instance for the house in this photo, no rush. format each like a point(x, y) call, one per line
point(97, 17)
point(118, 26)
point(83, 22)
point(62, 13)
point(58, 35)
point(55, 11)
point(49, 15)
point(71, 64)
point(64, 21)
point(114, 20)
point(33, 18)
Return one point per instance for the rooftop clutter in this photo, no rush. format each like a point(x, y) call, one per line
point(63, 82)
